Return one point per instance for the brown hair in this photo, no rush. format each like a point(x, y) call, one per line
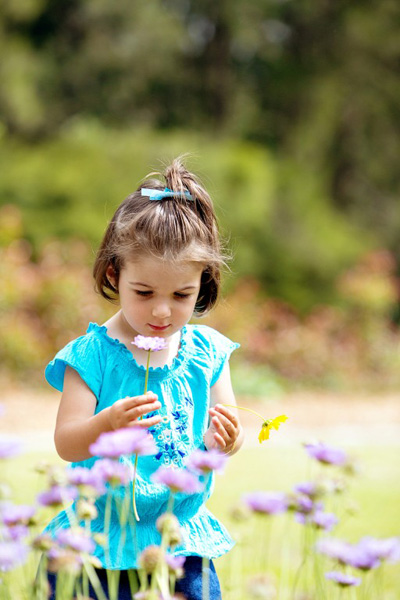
point(175, 228)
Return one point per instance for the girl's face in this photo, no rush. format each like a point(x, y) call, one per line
point(157, 298)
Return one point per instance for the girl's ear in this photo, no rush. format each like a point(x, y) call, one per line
point(111, 276)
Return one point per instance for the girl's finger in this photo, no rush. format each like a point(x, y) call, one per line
point(228, 425)
point(145, 423)
point(220, 429)
point(227, 413)
point(220, 441)
point(142, 409)
point(139, 400)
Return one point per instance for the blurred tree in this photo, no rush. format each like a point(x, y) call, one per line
point(317, 83)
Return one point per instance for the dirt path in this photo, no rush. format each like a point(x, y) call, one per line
point(346, 418)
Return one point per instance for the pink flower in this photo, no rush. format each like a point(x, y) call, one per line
point(154, 344)
point(327, 455)
point(128, 440)
point(111, 471)
point(269, 503)
point(342, 579)
point(17, 514)
point(57, 496)
point(177, 480)
point(204, 462)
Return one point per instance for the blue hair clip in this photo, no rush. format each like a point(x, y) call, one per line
point(167, 193)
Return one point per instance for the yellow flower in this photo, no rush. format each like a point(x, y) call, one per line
point(268, 425)
point(264, 433)
point(275, 423)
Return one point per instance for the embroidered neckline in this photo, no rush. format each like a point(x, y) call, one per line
point(154, 372)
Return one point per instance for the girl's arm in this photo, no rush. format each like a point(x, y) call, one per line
point(225, 432)
point(77, 427)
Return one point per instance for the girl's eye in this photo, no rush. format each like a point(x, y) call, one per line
point(181, 296)
point(141, 293)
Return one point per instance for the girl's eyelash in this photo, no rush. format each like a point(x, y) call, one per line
point(148, 293)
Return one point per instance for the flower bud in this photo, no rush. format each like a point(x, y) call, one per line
point(43, 542)
point(150, 558)
point(86, 510)
point(168, 525)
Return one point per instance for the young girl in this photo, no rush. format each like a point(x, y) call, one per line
point(161, 258)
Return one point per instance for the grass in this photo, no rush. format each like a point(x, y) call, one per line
point(374, 498)
point(369, 507)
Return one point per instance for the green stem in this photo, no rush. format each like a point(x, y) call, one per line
point(147, 372)
point(133, 490)
point(247, 410)
point(107, 521)
point(146, 381)
point(205, 578)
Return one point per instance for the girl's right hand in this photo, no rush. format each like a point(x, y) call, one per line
point(128, 411)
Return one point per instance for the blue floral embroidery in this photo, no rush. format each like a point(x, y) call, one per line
point(189, 401)
point(171, 434)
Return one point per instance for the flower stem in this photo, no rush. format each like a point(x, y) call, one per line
point(247, 410)
point(147, 372)
point(205, 578)
point(146, 381)
point(133, 489)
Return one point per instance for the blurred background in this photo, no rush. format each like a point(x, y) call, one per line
point(290, 114)
point(289, 111)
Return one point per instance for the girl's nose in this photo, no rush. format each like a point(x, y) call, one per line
point(161, 310)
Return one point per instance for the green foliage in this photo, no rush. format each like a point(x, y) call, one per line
point(281, 228)
point(317, 83)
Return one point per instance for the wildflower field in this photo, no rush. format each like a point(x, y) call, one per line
point(311, 520)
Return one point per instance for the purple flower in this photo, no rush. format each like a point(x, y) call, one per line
point(15, 533)
point(9, 447)
point(355, 555)
point(154, 344)
point(326, 455)
point(17, 514)
point(83, 477)
point(335, 549)
point(110, 471)
point(342, 579)
point(304, 505)
point(177, 480)
point(204, 462)
point(323, 520)
point(269, 503)
point(175, 563)
point(382, 549)
point(308, 488)
point(12, 554)
point(362, 559)
point(57, 496)
point(76, 539)
point(129, 440)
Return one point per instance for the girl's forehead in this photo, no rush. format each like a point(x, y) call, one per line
point(152, 269)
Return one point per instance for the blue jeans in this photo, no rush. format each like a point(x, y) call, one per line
point(190, 585)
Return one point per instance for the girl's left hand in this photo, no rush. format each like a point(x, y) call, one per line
point(224, 429)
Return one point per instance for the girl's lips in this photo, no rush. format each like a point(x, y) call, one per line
point(158, 328)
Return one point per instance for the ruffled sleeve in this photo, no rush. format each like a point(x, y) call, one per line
point(218, 348)
point(85, 355)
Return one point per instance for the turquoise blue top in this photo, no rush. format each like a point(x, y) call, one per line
point(111, 372)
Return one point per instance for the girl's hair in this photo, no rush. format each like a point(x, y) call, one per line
point(174, 229)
